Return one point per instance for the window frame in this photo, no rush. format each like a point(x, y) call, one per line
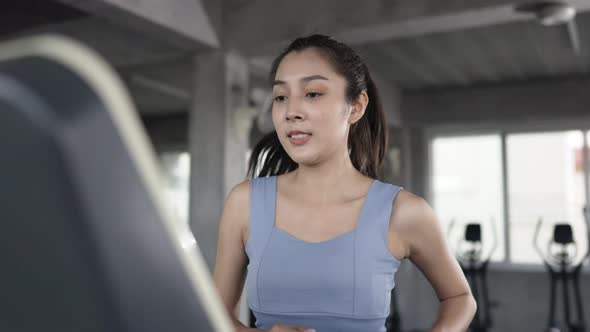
point(459, 130)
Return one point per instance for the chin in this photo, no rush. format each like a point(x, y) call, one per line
point(298, 158)
point(304, 158)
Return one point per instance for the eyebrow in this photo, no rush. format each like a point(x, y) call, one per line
point(304, 79)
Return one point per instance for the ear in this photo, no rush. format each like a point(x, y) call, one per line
point(358, 107)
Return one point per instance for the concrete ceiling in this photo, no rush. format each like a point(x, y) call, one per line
point(517, 51)
point(417, 45)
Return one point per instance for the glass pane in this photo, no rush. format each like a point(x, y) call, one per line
point(545, 181)
point(176, 168)
point(467, 188)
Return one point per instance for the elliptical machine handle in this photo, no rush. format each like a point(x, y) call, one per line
point(494, 243)
point(536, 237)
point(587, 224)
point(449, 231)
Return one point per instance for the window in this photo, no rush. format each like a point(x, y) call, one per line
point(176, 169)
point(467, 187)
point(545, 181)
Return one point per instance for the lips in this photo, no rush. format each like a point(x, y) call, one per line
point(298, 137)
point(297, 132)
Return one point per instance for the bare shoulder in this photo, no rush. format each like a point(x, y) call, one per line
point(240, 193)
point(237, 207)
point(409, 209)
point(411, 219)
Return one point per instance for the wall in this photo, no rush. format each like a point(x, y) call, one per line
point(521, 294)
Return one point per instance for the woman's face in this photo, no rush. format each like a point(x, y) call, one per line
point(309, 98)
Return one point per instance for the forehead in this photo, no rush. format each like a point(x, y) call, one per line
point(308, 62)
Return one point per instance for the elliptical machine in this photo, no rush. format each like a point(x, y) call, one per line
point(475, 266)
point(560, 264)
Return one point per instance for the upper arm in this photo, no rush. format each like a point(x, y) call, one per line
point(426, 245)
point(230, 264)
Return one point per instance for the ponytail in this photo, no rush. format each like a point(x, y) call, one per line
point(368, 138)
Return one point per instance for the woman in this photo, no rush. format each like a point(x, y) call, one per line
point(318, 239)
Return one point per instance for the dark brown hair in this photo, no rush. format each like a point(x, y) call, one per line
point(367, 137)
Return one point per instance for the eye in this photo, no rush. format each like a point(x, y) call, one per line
point(280, 99)
point(313, 95)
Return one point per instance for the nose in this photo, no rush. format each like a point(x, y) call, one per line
point(294, 111)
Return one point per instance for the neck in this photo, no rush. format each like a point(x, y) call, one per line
point(328, 180)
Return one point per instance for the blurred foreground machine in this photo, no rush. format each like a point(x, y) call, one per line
point(86, 240)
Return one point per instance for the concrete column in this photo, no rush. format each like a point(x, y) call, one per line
point(238, 120)
point(206, 145)
point(218, 129)
point(217, 141)
point(420, 163)
point(391, 99)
